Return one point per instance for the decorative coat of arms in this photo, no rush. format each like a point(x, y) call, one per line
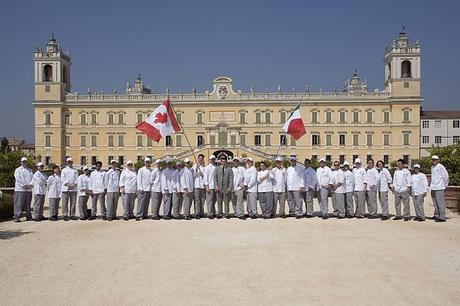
point(222, 91)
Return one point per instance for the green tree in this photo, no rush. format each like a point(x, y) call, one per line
point(9, 161)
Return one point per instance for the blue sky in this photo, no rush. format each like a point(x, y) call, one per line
point(185, 44)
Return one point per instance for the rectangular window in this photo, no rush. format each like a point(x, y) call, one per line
point(82, 118)
point(233, 140)
point(110, 119)
point(456, 124)
point(342, 140)
point(121, 160)
point(67, 140)
point(329, 117)
point(109, 159)
point(93, 160)
point(140, 140)
point(121, 140)
point(386, 139)
point(355, 117)
point(199, 140)
point(328, 140)
point(437, 124)
point(455, 139)
point(341, 159)
point(386, 159)
point(199, 118)
point(369, 139)
point(178, 140)
point(406, 116)
point(328, 159)
point(168, 141)
point(82, 160)
point(93, 119)
point(47, 118)
point(242, 118)
point(315, 140)
point(258, 117)
point(314, 117)
point(110, 140)
point(120, 119)
point(82, 140)
point(139, 117)
point(66, 119)
point(149, 142)
point(268, 140)
point(370, 116)
point(283, 139)
point(268, 117)
point(354, 158)
point(47, 140)
point(406, 159)
point(47, 88)
point(437, 139)
point(406, 84)
point(93, 140)
point(212, 140)
point(342, 117)
point(139, 157)
point(386, 117)
point(368, 157)
point(293, 143)
point(179, 117)
point(425, 124)
point(283, 117)
point(314, 157)
point(257, 140)
point(243, 139)
point(356, 139)
point(406, 139)
point(426, 139)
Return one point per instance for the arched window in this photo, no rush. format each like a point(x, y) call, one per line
point(64, 74)
point(406, 70)
point(47, 73)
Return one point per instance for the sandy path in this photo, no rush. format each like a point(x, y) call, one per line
point(308, 261)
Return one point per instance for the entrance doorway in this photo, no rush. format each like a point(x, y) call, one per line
point(226, 153)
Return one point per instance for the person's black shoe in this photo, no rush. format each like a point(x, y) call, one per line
point(126, 218)
point(419, 219)
point(283, 216)
point(17, 220)
point(138, 219)
point(43, 218)
point(73, 218)
point(325, 217)
point(109, 219)
point(359, 217)
point(406, 218)
point(384, 218)
point(439, 220)
point(104, 218)
point(29, 219)
point(53, 218)
point(211, 217)
point(197, 217)
point(309, 216)
point(242, 218)
point(83, 218)
point(340, 217)
point(219, 216)
point(227, 217)
point(166, 217)
point(253, 217)
point(66, 219)
point(156, 218)
point(37, 220)
point(397, 218)
point(299, 217)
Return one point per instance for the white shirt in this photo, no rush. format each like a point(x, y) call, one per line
point(82, 184)
point(23, 176)
point(264, 180)
point(402, 180)
point(349, 181)
point(279, 179)
point(338, 176)
point(372, 179)
point(238, 178)
point(143, 179)
point(69, 176)
point(419, 184)
point(39, 183)
point(198, 174)
point(384, 179)
point(439, 177)
point(155, 179)
point(112, 179)
point(295, 178)
point(359, 175)
point(54, 186)
point(324, 175)
point(97, 182)
point(175, 177)
point(209, 176)
point(167, 183)
point(311, 180)
point(128, 180)
point(250, 179)
point(186, 180)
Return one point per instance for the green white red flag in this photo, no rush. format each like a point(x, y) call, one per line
point(294, 124)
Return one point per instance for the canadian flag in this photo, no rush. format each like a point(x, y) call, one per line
point(161, 122)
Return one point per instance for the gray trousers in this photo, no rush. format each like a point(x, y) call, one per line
point(21, 201)
point(339, 203)
point(360, 201)
point(69, 196)
point(349, 204)
point(383, 197)
point(187, 199)
point(309, 195)
point(143, 204)
point(112, 204)
point(322, 196)
point(155, 198)
point(167, 204)
point(294, 198)
point(54, 206)
point(252, 203)
point(279, 200)
point(128, 204)
point(39, 202)
point(200, 198)
point(372, 202)
point(237, 201)
point(418, 206)
point(266, 203)
point(223, 198)
point(95, 198)
point(439, 203)
point(404, 198)
point(177, 199)
point(83, 206)
point(211, 202)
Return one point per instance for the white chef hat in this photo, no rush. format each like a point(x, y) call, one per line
point(24, 159)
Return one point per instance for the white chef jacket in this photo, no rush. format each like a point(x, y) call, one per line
point(338, 176)
point(359, 175)
point(311, 181)
point(155, 179)
point(419, 184)
point(384, 179)
point(238, 177)
point(175, 177)
point(97, 182)
point(402, 180)
point(295, 178)
point(186, 179)
point(23, 176)
point(279, 179)
point(324, 176)
point(143, 179)
point(250, 179)
point(439, 177)
point(39, 182)
point(264, 185)
point(349, 181)
point(209, 176)
point(128, 180)
point(167, 183)
point(372, 179)
point(54, 184)
point(69, 175)
point(112, 178)
point(198, 174)
point(82, 184)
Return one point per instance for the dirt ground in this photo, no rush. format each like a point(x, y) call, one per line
point(209, 262)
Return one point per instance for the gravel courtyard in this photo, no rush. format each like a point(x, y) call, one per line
point(209, 262)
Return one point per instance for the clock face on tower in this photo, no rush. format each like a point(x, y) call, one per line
point(222, 91)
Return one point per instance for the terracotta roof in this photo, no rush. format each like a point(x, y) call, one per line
point(440, 115)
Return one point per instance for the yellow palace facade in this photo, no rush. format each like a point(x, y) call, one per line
point(341, 125)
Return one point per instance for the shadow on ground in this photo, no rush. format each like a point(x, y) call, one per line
point(10, 234)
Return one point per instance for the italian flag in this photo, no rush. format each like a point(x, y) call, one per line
point(294, 124)
point(161, 122)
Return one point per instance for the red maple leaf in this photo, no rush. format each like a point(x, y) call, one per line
point(161, 118)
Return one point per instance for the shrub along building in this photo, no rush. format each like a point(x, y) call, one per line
point(383, 124)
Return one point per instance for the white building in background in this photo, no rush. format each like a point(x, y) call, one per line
point(438, 128)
